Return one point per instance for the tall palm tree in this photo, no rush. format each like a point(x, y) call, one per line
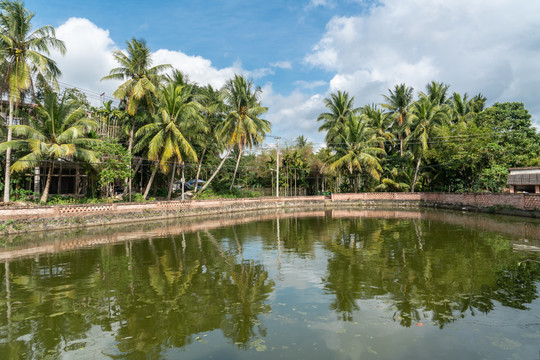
point(214, 113)
point(23, 53)
point(398, 103)
point(478, 103)
point(460, 108)
point(242, 127)
point(301, 141)
point(58, 131)
point(437, 92)
point(357, 152)
point(166, 137)
point(110, 118)
point(140, 79)
point(379, 121)
point(427, 117)
point(340, 108)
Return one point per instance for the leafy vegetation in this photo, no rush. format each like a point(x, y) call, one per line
point(165, 130)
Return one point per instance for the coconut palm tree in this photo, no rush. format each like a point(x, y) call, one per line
point(302, 142)
point(242, 127)
point(379, 121)
point(358, 150)
point(341, 108)
point(437, 93)
point(140, 79)
point(58, 131)
point(110, 118)
point(214, 113)
point(398, 103)
point(23, 52)
point(167, 137)
point(427, 117)
point(478, 103)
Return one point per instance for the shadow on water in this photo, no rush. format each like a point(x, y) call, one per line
point(139, 290)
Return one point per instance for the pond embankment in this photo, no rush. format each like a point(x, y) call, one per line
point(42, 218)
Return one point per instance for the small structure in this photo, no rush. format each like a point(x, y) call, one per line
point(525, 179)
point(68, 178)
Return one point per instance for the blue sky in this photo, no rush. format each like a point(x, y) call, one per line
point(300, 51)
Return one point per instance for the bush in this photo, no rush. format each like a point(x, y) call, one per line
point(135, 197)
point(66, 200)
point(23, 195)
point(234, 194)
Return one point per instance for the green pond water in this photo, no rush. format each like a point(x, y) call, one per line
point(313, 285)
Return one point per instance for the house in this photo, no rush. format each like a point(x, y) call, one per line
point(524, 179)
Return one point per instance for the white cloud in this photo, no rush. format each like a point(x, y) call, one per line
point(323, 3)
point(197, 68)
point(310, 84)
point(293, 115)
point(201, 70)
point(475, 46)
point(282, 65)
point(88, 57)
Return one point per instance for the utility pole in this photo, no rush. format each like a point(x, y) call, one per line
point(277, 167)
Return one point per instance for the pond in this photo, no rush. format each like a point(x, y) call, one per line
point(339, 284)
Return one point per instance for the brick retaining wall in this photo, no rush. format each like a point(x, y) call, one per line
point(517, 201)
point(36, 218)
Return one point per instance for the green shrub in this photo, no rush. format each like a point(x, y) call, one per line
point(23, 195)
point(226, 194)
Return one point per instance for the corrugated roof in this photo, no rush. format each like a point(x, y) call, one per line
point(523, 179)
point(525, 168)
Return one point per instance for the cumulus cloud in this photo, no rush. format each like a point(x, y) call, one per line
point(197, 68)
point(201, 70)
point(490, 47)
point(89, 58)
point(310, 84)
point(293, 115)
point(282, 65)
point(323, 3)
point(89, 55)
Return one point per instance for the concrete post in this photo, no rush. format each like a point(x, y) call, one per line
point(37, 178)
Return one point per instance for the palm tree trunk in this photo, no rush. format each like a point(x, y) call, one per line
point(171, 182)
point(130, 182)
point(127, 181)
point(217, 170)
point(183, 181)
point(198, 172)
point(416, 173)
point(45, 194)
point(295, 187)
point(131, 132)
point(236, 168)
point(7, 175)
point(401, 145)
point(147, 190)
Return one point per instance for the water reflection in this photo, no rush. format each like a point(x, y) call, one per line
point(149, 295)
point(164, 288)
point(425, 270)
